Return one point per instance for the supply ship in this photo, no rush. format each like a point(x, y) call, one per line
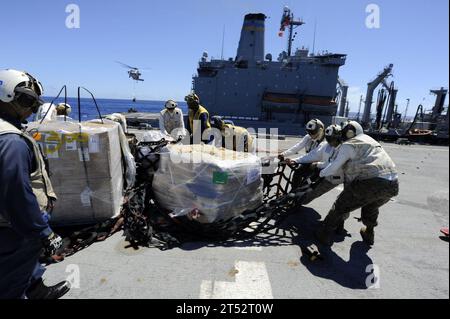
point(255, 90)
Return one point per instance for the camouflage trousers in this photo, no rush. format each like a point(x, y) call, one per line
point(369, 195)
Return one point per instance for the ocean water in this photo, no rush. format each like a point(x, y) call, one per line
point(109, 106)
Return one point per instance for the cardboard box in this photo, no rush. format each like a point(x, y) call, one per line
point(86, 169)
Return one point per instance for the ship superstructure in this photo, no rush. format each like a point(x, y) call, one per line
point(264, 92)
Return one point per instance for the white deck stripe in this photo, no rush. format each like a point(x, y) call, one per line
point(250, 248)
point(252, 282)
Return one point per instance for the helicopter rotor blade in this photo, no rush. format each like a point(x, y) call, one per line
point(127, 66)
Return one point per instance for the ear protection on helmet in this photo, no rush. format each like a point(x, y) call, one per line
point(333, 130)
point(171, 104)
point(311, 126)
point(333, 134)
point(329, 131)
point(314, 126)
point(348, 132)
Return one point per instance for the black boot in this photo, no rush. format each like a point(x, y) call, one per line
point(340, 230)
point(40, 291)
point(324, 235)
point(368, 235)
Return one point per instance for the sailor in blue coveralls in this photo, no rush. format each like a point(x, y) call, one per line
point(25, 195)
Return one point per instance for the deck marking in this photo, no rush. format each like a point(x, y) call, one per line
point(251, 248)
point(251, 282)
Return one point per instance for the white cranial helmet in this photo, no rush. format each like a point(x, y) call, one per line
point(20, 87)
point(171, 104)
point(351, 130)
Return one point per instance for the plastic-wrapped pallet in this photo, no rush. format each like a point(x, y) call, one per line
point(86, 169)
point(219, 183)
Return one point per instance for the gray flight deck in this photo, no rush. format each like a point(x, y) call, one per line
point(410, 257)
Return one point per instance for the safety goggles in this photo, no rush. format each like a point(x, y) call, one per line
point(27, 98)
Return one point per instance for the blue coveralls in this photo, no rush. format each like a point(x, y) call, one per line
point(20, 244)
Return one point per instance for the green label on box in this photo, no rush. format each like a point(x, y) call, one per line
point(220, 178)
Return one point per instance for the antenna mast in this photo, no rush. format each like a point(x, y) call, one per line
point(289, 21)
point(314, 40)
point(223, 41)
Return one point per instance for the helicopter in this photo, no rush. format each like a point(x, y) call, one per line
point(133, 73)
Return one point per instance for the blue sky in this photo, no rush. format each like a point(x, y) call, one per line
point(170, 36)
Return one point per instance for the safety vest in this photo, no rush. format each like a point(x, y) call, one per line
point(241, 138)
point(371, 160)
point(338, 178)
point(172, 120)
point(196, 116)
point(39, 179)
point(313, 144)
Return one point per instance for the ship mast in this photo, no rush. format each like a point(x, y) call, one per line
point(289, 21)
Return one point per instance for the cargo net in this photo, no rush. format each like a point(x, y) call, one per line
point(146, 223)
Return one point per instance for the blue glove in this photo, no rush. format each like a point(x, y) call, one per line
point(47, 217)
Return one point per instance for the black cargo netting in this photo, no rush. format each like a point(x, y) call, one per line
point(146, 224)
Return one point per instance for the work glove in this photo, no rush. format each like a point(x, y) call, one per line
point(46, 217)
point(51, 244)
point(291, 163)
point(281, 158)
